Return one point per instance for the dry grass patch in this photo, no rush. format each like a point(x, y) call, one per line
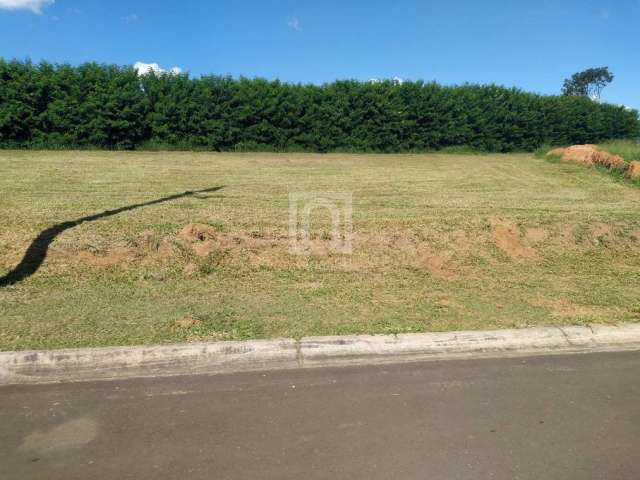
point(441, 242)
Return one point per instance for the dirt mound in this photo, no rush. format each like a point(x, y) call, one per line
point(582, 154)
point(589, 155)
point(197, 232)
point(201, 236)
point(633, 171)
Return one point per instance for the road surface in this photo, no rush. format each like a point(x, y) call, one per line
point(557, 417)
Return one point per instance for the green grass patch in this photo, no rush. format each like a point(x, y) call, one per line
point(440, 242)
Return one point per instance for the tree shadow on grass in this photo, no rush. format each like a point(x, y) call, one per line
point(37, 251)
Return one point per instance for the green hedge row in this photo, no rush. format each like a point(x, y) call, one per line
point(92, 105)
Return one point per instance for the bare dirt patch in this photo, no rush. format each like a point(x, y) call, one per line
point(197, 232)
point(409, 249)
point(437, 266)
point(445, 254)
point(507, 238)
point(203, 239)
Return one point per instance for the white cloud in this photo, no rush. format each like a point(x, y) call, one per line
point(34, 5)
point(295, 24)
point(131, 18)
point(145, 68)
point(394, 80)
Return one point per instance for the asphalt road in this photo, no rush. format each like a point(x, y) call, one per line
point(559, 417)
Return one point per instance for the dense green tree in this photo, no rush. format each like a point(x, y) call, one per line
point(105, 106)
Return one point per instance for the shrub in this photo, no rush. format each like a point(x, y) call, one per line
point(106, 106)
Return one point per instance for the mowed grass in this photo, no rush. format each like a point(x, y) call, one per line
point(440, 242)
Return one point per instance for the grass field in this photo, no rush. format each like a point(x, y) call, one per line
point(440, 242)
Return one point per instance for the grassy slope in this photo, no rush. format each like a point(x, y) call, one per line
point(442, 242)
point(627, 149)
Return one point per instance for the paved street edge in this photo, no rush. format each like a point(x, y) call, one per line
point(85, 364)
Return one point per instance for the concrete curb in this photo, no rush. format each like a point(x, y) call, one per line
point(85, 364)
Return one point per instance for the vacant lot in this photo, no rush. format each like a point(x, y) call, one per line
point(440, 242)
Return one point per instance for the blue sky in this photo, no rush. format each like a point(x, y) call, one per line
point(531, 44)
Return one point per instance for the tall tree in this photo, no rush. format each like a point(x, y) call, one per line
point(588, 83)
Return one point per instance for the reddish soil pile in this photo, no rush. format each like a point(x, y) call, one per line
point(589, 155)
point(633, 171)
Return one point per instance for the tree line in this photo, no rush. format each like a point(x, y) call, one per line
point(106, 106)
